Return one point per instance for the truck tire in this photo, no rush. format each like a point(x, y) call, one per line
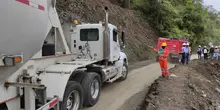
point(91, 84)
point(73, 96)
point(124, 72)
point(170, 58)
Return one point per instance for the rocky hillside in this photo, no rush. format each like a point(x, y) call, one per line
point(190, 87)
point(138, 33)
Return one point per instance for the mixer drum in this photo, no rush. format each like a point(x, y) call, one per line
point(23, 29)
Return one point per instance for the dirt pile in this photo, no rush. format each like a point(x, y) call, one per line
point(138, 33)
point(192, 87)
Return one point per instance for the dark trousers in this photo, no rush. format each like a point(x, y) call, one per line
point(183, 58)
point(206, 56)
point(186, 58)
point(199, 55)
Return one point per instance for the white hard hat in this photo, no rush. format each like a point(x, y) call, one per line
point(212, 46)
point(205, 46)
point(216, 46)
point(184, 43)
point(187, 43)
point(199, 45)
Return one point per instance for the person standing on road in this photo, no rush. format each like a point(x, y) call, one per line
point(205, 53)
point(183, 53)
point(190, 52)
point(163, 54)
point(216, 52)
point(187, 53)
point(199, 52)
point(211, 52)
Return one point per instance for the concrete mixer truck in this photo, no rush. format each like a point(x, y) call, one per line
point(40, 70)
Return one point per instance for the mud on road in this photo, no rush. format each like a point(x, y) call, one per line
point(191, 87)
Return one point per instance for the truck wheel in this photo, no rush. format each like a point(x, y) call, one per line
point(92, 86)
point(73, 96)
point(170, 59)
point(124, 72)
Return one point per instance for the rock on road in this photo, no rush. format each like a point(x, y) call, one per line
point(128, 94)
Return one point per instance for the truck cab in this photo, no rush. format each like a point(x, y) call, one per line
point(87, 41)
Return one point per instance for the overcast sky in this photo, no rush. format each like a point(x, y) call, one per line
point(214, 3)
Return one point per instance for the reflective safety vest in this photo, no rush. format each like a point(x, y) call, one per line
point(163, 53)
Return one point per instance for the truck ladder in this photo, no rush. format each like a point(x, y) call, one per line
point(29, 96)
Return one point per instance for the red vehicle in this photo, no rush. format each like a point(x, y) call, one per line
point(174, 47)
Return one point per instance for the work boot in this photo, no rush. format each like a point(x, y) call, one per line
point(167, 77)
point(163, 76)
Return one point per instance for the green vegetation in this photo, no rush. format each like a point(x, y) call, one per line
point(181, 18)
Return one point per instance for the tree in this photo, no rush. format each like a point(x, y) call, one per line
point(181, 18)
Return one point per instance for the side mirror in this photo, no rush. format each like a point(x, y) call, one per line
point(123, 37)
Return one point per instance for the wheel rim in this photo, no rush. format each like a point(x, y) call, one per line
point(73, 101)
point(95, 89)
point(124, 71)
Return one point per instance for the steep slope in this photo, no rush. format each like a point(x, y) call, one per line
point(138, 33)
point(191, 87)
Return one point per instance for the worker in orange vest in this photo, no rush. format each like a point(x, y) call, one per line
point(163, 54)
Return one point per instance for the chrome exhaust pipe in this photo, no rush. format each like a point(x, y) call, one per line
point(106, 40)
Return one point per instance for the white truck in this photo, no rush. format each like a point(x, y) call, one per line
point(35, 74)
